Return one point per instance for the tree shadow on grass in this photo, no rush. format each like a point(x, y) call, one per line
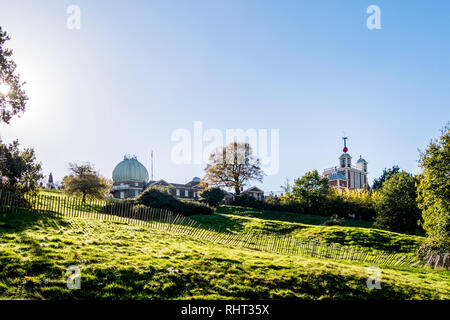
point(19, 221)
point(130, 283)
point(378, 239)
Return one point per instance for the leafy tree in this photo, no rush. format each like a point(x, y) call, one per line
point(387, 173)
point(19, 170)
point(212, 196)
point(233, 167)
point(12, 97)
point(85, 181)
point(434, 193)
point(396, 205)
point(312, 190)
point(357, 203)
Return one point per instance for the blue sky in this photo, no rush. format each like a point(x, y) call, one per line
point(138, 70)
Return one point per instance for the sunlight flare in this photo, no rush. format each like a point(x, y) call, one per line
point(4, 88)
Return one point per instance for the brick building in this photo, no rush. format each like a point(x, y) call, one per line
point(345, 175)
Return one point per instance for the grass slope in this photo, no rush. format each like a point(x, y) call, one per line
point(352, 233)
point(120, 261)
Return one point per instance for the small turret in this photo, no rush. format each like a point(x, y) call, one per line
point(361, 164)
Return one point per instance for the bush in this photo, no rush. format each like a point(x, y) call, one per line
point(157, 197)
point(334, 221)
point(244, 200)
point(360, 203)
point(396, 204)
point(188, 208)
point(212, 196)
point(435, 253)
point(434, 190)
point(284, 204)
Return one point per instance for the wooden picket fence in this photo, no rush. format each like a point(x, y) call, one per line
point(120, 211)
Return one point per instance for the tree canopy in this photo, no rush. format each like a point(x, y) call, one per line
point(85, 181)
point(19, 170)
point(387, 173)
point(396, 204)
point(311, 189)
point(212, 196)
point(434, 188)
point(233, 167)
point(12, 97)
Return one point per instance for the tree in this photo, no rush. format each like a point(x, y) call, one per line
point(85, 181)
point(387, 173)
point(286, 187)
point(212, 196)
point(19, 170)
point(312, 190)
point(12, 97)
point(233, 167)
point(396, 205)
point(434, 193)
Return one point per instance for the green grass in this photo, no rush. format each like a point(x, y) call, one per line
point(353, 233)
point(120, 261)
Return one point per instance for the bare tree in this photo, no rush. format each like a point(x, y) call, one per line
point(233, 167)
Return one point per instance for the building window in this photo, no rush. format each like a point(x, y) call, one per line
point(178, 192)
point(186, 193)
point(122, 194)
point(136, 193)
point(136, 184)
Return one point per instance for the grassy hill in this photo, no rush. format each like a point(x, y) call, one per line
point(124, 261)
point(352, 233)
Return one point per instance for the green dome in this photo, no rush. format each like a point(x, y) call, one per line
point(130, 169)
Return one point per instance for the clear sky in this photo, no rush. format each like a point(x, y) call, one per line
point(138, 70)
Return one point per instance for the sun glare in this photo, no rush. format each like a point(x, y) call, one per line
point(4, 88)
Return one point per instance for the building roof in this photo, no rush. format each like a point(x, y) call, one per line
point(253, 189)
point(130, 169)
point(190, 184)
point(361, 160)
point(345, 155)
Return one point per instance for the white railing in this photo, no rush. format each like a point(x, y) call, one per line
point(121, 187)
point(340, 168)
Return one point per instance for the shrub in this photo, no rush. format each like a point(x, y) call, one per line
point(396, 205)
point(434, 191)
point(435, 253)
point(157, 197)
point(359, 203)
point(244, 200)
point(188, 208)
point(212, 196)
point(334, 221)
